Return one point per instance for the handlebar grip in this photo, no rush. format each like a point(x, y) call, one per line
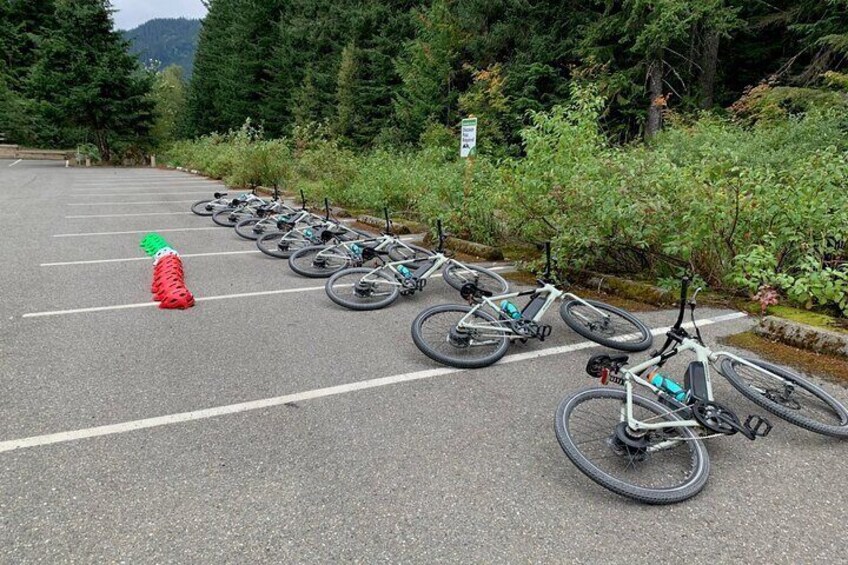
point(684, 288)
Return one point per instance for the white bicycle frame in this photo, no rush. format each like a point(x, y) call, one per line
point(705, 356)
point(469, 321)
point(384, 241)
point(439, 260)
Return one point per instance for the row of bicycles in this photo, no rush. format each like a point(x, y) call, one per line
point(647, 445)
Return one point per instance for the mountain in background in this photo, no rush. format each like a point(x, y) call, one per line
point(170, 41)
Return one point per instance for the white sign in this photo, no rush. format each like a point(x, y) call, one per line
point(468, 141)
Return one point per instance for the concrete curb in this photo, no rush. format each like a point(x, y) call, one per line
point(626, 288)
point(803, 336)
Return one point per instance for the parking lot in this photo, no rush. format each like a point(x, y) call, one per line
point(268, 424)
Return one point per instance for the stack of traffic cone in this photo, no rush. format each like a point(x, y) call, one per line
point(168, 276)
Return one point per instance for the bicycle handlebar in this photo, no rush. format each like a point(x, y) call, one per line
point(388, 221)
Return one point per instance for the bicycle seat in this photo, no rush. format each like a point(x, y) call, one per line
point(471, 291)
point(220, 194)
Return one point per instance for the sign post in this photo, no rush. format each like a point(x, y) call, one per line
point(468, 138)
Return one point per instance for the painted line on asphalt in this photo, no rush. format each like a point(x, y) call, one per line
point(226, 410)
point(88, 216)
point(129, 193)
point(196, 299)
point(16, 162)
point(128, 203)
point(129, 259)
point(167, 230)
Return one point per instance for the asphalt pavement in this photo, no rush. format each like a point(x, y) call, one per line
point(267, 424)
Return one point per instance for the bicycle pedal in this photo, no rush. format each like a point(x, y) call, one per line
point(757, 425)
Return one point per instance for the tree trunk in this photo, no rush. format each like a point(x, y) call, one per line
point(709, 63)
point(655, 110)
point(103, 146)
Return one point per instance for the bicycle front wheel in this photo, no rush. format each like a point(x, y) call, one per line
point(457, 275)
point(352, 289)
point(437, 334)
point(656, 467)
point(606, 325)
point(790, 396)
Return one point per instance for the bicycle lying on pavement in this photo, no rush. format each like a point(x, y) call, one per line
point(653, 450)
point(322, 261)
point(479, 333)
point(306, 230)
point(365, 288)
point(221, 202)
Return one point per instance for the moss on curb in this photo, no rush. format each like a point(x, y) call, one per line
point(799, 359)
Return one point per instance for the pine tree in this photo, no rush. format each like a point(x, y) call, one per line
point(85, 79)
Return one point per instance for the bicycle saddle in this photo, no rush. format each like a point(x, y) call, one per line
point(220, 194)
point(471, 291)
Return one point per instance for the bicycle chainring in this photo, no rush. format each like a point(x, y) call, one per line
point(716, 418)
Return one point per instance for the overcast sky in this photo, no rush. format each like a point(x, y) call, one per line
point(131, 13)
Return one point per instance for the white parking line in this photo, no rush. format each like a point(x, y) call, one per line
point(135, 231)
point(16, 162)
point(129, 193)
point(206, 413)
point(129, 259)
point(197, 299)
point(128, 215)
point(128, 203)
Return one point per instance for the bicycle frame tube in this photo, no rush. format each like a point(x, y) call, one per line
point(438, 260)
point(702, 354)
point(552, 292)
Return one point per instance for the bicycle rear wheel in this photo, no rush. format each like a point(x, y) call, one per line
point(436, 334)
point(229, 217)
point(203, 208)
point(347, 288)
point(655, 467)
point(280, 244)
point(792, 397)
point(407, 252)
point(252, 229)
point(457, 275)
point(607, 325)
point(318, 262)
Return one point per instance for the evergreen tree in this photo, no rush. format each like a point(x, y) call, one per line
point(85, 80)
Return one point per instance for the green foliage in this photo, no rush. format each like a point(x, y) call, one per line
point(67, 78)
point(169, 95)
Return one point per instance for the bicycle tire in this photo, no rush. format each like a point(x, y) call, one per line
point(488, 281)
point(427, 349)
point(684, 491)
point(201, 208)
point(302, 262)
point(782, 409)
point(644, 337)
point(247, 230)
point(334, 289)
point(399, 252)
